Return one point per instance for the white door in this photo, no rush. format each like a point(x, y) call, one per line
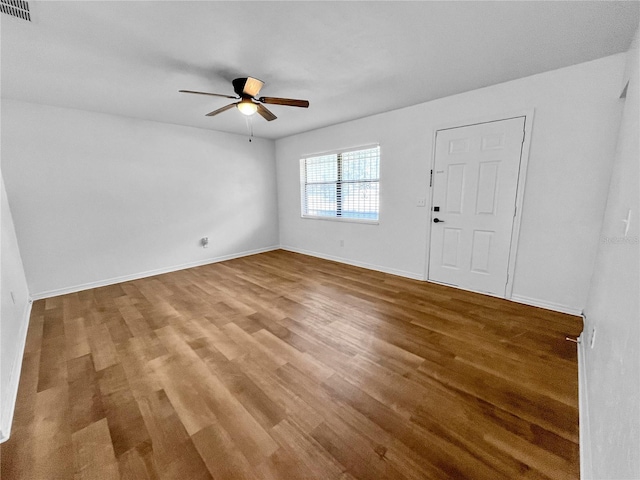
point(475, 181)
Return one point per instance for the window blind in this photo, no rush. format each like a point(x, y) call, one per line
point(341, 185)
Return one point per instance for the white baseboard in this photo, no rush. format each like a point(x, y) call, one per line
point(556, 307)
point(368, 266)
point(149, 273)
point(9, 400)
point(586, 468)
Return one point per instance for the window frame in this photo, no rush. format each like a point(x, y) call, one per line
point(338, 182)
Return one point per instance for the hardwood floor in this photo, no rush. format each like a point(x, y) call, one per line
point(283, 366)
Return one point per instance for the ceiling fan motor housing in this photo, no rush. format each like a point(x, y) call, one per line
point(243, 90)
point(238, 85)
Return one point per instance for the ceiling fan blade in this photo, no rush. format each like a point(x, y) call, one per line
point(252, 86)
point(290, 102)
point(205, 93)
point(266, 113)
point(220, 110)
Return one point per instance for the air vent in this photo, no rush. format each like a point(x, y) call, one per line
point(16, 8)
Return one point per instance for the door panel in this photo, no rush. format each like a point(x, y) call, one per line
point(487, 188)
point(475, 184)
point(481, 251)
point(451, 245)
point(459, 145)
point(455, 188)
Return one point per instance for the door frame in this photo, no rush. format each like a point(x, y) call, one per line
point(522, 174)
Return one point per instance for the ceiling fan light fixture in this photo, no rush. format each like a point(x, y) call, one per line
point(247, 107)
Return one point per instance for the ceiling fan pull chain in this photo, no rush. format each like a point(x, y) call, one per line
point(249, 127)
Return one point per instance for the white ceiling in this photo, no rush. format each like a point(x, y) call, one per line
point(349, 59)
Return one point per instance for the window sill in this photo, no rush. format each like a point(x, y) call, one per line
point(344, 220)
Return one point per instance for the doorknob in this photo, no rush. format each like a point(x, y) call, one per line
point(437, 220)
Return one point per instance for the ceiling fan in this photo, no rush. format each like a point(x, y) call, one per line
point(247, 90)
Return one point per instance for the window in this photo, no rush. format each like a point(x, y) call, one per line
point(341, 185)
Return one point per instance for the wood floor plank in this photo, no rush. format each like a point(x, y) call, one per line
point(51, 441)
point(53, 363)
point(192, 409)
point(437, 452)
point(344, 453)
point(304, 362)
point(280, 366)
point(137, 464)
point(133, 317)
point(252, 347)
point(313, 461)
point(537, 458)
point(297, 410)
point(85, 399)
point(260, 405)
point(135, 356)
point(225, 345)
point(93, 453)
point(223, 458)
point(102, 348)
point(53, 323)
point(76, 337)
point(246, 431)
point(517, 399)
point(173, 451)
point(18, 454)
point(126, 425)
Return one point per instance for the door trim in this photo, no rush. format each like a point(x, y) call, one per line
point(522, 174)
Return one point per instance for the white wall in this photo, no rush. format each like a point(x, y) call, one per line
point(98, 198)
point(577, 114)
point(14, 314)
point(613, 364)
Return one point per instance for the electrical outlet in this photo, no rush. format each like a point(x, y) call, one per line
point(205, 242)
point(422, 202)
point(592, 340)
point(342, 243)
